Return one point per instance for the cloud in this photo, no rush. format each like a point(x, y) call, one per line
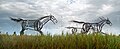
point(106, 9)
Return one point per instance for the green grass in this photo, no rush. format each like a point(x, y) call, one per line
point(74, 41)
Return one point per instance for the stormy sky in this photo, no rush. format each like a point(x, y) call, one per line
point(63, 10)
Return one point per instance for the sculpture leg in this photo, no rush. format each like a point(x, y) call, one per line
point(83, 31)
point(41, 32)
point(74, 30)
point(100, 31)
point(85, 28)
point(22, 31)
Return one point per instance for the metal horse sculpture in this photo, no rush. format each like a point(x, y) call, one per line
point(96, 27)
point(36, 25)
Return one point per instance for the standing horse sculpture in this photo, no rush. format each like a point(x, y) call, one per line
point(36, 25)
point(96, 27)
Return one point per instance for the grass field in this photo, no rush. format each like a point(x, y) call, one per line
point(74, 41)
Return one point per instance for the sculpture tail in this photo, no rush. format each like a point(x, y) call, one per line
point(16, 20)
point(76, 21)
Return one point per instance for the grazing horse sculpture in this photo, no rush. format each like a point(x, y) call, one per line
point(36, 25)
point(96, 27)
point(74, 29)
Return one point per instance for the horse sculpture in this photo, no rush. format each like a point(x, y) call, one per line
point(96, 27)
point(36, 25)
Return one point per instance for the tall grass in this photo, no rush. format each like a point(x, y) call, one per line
point(72, 41)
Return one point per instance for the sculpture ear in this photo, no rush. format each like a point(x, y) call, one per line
point(101, 18)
